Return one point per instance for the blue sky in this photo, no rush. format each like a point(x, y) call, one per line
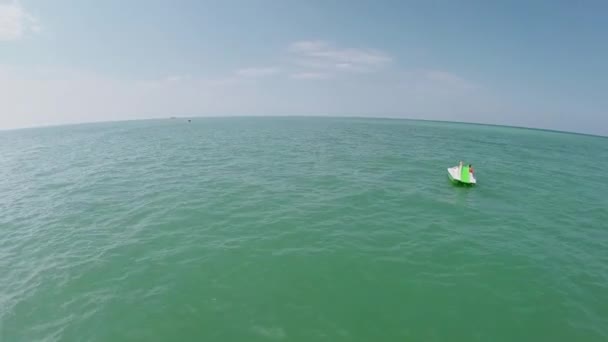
point(525, 63)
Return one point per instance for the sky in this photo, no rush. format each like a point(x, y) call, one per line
point(539, 64)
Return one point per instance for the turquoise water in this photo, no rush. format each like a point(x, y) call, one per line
point(294, 229)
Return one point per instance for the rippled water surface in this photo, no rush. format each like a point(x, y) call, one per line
point(270, 229)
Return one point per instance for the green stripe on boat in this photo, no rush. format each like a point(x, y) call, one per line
point(464, 175)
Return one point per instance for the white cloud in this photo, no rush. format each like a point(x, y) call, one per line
point(177, 78)
point(320, 60)
point(308, 45)
point(15, 21)
point(324, 55)
point(310, 75)
point(258, 72)
point(435, 80)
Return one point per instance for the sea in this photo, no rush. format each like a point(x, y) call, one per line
point(301, 229)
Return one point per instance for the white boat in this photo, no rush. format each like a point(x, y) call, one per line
point(461, 175)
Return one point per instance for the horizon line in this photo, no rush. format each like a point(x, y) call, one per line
point(550, 130)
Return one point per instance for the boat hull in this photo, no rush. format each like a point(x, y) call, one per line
point(454, 175)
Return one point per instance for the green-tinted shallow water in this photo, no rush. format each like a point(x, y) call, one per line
point(268, 229)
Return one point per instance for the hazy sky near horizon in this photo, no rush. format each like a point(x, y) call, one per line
point(525, 63)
